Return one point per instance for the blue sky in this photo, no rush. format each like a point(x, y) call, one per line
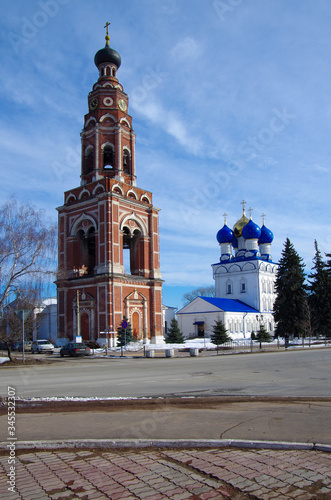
point(230, 100)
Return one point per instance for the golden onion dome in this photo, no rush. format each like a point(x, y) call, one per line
point(238, 227)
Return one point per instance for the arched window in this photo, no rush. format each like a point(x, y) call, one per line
point(85, 258)
point(108, 157)
point(131, 250)
point(89, 160)
point(91, 250)
point(126, 162)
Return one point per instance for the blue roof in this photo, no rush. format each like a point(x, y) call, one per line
point(229, 305)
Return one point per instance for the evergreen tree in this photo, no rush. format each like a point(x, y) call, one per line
point(262, 335)
point(320, 295)
point(219, 335)
point(174, 335)
point(289, 307)
point(124, 336)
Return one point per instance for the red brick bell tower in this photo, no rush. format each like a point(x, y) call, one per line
point(108, 227)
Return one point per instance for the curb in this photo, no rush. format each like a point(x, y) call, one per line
point(163, 443)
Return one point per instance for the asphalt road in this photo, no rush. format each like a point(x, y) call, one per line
point(279, 374)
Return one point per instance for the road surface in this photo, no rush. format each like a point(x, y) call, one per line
point(279, 374)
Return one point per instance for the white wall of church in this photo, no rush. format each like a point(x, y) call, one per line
point(239, 325)
point(188, 327)
point(250, 282)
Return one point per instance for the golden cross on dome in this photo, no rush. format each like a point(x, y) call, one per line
point(243, 203)
point(225, 216)
point(250, 212)
point(263, 216)
point(107, 34)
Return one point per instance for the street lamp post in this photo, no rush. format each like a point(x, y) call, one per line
point(124, 326)
point(260, 319)
point(23, 315)
point(244, 329)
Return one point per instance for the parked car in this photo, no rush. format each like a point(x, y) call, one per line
point(75, 349)
point(41, 346)
point(15, 345)
point(27, 346)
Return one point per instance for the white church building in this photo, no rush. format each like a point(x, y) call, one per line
point(244, 285)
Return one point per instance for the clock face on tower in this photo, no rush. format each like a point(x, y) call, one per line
point(122, 105)
point(94, 103)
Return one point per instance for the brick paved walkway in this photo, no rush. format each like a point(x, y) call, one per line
point(161, 474)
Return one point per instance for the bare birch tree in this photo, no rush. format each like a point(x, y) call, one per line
point(27, 253)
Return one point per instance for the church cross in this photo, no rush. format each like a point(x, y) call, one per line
point(225, 216)
point(263, 216)
point(250, 212)
point(106, 26)
point(243, 203)
point(107, 35)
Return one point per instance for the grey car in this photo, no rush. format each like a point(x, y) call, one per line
point(42, 346)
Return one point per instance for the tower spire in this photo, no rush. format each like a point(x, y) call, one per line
point(243, 203)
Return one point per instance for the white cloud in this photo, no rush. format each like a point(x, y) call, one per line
point(169, 121)
point(186, 49)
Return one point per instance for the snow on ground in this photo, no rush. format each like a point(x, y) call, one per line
point(199, 343)
point(3, 360)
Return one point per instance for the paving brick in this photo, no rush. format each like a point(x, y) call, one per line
point(181, 496)
point(154, 475)
point(210, 494)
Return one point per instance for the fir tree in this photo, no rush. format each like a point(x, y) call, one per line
point(219, 335)
point(320, 295)
point(174, 335)
point(289, 307)
point(124, 336)
point(262, 335)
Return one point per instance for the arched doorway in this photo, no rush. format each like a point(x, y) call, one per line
point(135, 325)
point(85, 326)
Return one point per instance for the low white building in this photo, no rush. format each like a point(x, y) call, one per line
point(244, 285)
point(199, 316)
point(47, 319)
point(169, 313)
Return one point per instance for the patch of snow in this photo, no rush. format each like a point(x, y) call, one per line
point(3, 360)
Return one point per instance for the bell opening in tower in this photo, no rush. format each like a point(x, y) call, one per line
point(131, 251)
point(108, 158)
